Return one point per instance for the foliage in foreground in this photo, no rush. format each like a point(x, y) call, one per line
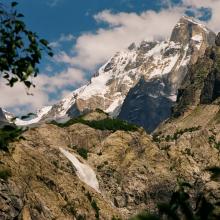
point(105, 124)
point(20, 49)
point(180, 206)
point(8, 134)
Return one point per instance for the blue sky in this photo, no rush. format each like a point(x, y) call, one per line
point(86, 33)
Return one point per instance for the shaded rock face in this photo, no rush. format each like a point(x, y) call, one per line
point(134, 172)
point(217, 40)
point(148, 103)
point(2, 116)
point(201, 84)
point(11, 202)
point(211, 89)
point(3, 120)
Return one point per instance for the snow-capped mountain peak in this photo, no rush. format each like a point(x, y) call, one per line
point(148, 61)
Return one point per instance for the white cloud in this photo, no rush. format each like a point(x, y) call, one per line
point(66, 38)
point(53, 3)
point(45, 86)
point(93, 49)
point(63, 38)
point(123, 29)
point(213, 5)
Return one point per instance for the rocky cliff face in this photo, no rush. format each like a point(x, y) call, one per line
point(131, 171)
point(134, 171)
point(150, 101)
point(191, 137)
point(3, 119)
point(143, 77)
point(201, 84)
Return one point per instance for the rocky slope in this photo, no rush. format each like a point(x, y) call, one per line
point(3, 119)
point(94, 167)
point(142, 79)
point(132, 173)
point(190, 138)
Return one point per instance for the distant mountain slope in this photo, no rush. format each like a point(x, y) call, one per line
point(3, 119)
point(153, 69)
point(150, 101)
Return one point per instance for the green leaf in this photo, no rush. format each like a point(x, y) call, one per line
point(12, 81)
point(27, 83)
point(20, 15)
point(13, 4)
point(50, 54)
point(44, 42)
point(30, 69)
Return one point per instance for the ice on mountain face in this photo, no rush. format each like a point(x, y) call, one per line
point(8, 115)
point(163, 65)
point(40, 114)
point(115, 78)
point(172, 97)
point(198, 39)
point(114, 108)
point(65, 104)
point(96, 87)
point(83, 171)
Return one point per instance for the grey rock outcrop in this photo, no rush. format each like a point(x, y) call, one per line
point(217, 40)
point(148, 103)
point(3, 120)
point(201, 84)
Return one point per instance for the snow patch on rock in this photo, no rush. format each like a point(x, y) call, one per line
point(83, 171)
point(35, 120)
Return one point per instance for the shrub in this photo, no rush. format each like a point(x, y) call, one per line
point(212, 141)
point(5, 174)
point(96, 208)
point(8, 134)
point(101, 111)
point(83, 152)
point(105, 124)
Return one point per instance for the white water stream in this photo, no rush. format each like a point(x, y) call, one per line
point(83, 171)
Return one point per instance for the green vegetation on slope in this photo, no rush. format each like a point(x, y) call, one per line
point(8, 134)
point(105, 124)
point(175, 136)
point(83, 152)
